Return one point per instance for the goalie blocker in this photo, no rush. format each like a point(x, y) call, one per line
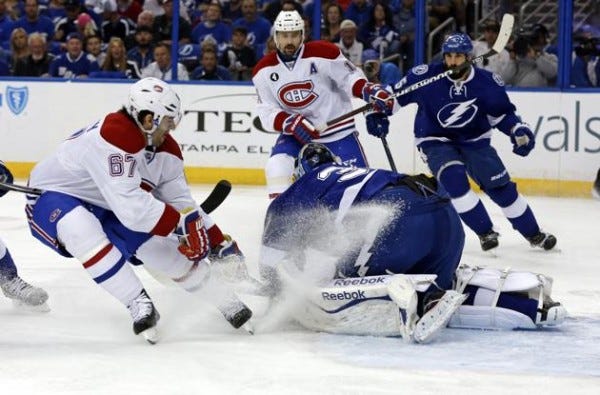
point(391, 305)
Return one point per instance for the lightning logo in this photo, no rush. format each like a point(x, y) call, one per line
point(457, 115)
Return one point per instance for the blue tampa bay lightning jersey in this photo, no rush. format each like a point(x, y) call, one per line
point(458, 111)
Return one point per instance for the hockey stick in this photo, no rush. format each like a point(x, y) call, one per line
point(214, 199)
point(388, 153)
point(503, 36)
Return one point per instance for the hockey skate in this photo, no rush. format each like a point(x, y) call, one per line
point(24, 294)
point(489, 240)
point(145, 317)
point(596, 187)
point(543, 240)
point(438, 310)
point(551, 314)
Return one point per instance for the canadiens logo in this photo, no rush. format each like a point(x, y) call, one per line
point(297, 94)
point(54, 215)
point(457, 115)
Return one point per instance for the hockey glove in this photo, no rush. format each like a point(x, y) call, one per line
point(301, 128)
point(5, 176)
point(523, 140)
point(378, 124)
point(192, 236)
point(381, 99)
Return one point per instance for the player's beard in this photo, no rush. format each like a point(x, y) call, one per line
point(457, 75)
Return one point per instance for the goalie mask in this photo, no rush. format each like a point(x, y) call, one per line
point(311, 156)
point(154, 96)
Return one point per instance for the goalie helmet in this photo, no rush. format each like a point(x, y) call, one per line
point(457, 43)
point(288, 21)
point(155, 96)
point(311, 156)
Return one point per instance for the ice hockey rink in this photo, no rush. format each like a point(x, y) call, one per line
point(85, 343)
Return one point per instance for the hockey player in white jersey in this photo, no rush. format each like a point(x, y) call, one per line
point(12, 285)
point(115, 192)
point(300, 88)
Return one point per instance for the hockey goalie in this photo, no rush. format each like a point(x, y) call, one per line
point(374, 252)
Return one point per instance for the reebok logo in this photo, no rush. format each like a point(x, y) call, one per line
point(343, 295)
point(344, 282)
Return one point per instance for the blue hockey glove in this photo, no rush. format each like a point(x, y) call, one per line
point(301, 128)
point(5, 176)
point(523, 140)
point(381, 99)
point(192, 236)
point(378, 124)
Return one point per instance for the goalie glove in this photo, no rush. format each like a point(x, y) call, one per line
point(6, 177)
point(192, 236)
point(382, 100)
point(301, 128)
point(378, 124)
point(522, 139)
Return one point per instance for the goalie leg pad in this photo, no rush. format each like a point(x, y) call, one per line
point(505, 299)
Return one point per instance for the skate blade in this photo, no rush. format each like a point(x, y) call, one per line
point(40, 308)
point(437, 318)
point(248, 327)
point(151, 335)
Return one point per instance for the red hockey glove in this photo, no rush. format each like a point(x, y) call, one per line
point(381, 99)
point(193, 237)
point(523, 140)
point(301, 128)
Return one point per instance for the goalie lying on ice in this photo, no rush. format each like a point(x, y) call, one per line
point(376, 252)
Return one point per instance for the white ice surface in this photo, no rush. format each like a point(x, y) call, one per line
point(86, 345)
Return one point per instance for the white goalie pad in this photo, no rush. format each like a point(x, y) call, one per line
point(485, 314)
point(358, 306)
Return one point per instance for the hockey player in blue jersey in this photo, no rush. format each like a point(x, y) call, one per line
point(417, 248)
point(13, 286)
point(453, 130)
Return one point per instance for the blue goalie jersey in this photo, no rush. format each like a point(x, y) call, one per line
point(458, 111)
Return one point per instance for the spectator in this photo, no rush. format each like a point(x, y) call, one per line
point(378, 32)
point(66, 25)
point(209, 70)
point(498, 63)
point(75, 63)
point(359, 11)
point(145, 19)
point(116, 60)
point(231, 11)
point(155, 7)
point(143, 53)
point(161, 67)
point(349, 45)
point(586, 57)
point(6, 23)
point(272, 8)
point(18, 46)
point(86, 26)
point(113, 24)
point(332, 22)
point(438, 11)
point(377, 72)
point(163, 25)
point(95, 48)
point(129, 9)
point(530, 68)
point(4, 70)
point(239, 57)
point(55, 10)
point(212, 26)
point(38, 62)
point(258, 28)
point(32, 21)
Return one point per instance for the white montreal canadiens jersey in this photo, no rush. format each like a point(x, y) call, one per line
point(105, 164)
point(319, 86)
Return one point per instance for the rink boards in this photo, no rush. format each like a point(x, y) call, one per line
point(221, 136)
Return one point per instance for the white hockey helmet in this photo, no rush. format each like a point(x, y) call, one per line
point(156, 96)
point(288, 21)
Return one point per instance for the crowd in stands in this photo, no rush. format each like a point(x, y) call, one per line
point(224, 39)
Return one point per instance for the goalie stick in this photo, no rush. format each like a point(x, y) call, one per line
point(214, 199)
point(503, 36)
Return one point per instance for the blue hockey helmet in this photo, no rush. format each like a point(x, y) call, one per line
point(311, 156)
point(457, 43)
